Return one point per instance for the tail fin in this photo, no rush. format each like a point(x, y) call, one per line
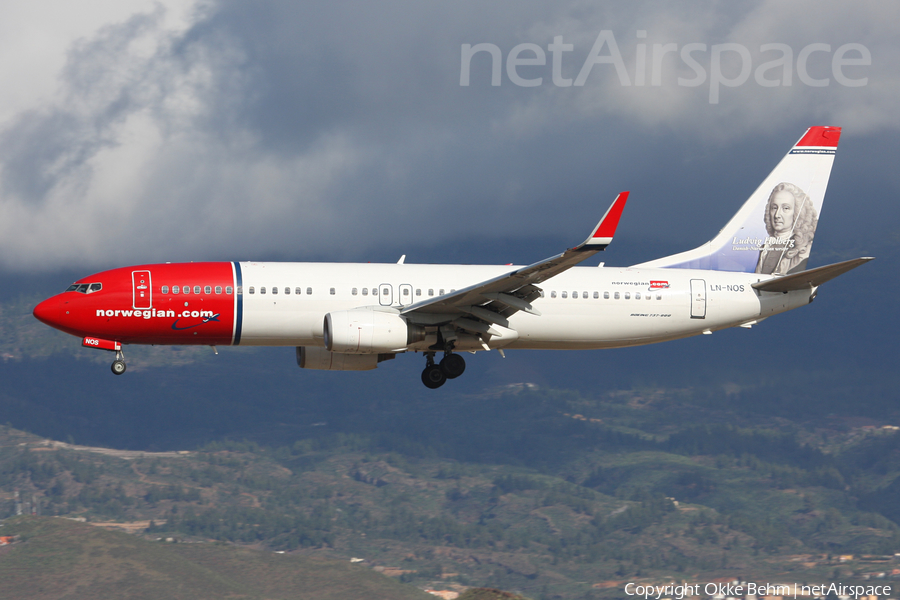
point(774, 229)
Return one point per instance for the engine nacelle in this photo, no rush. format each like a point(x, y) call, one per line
point(315, 357)
point(367, 331)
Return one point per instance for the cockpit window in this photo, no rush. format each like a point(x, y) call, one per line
point(85, 288)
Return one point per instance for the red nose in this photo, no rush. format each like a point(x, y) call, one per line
point(48, 311)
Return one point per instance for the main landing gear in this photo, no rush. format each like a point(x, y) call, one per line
point(450, 367)
point(118, 366)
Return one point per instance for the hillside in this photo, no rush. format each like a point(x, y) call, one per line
point(631, 473)
point(58, 558)
point(582, 503)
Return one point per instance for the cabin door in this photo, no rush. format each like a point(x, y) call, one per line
point(142, 290)
point(698, 299)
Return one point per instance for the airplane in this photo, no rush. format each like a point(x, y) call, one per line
point(351, 317)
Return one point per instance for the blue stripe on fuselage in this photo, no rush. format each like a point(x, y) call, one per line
point(239, 314)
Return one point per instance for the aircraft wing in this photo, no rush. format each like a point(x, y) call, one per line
point(805, 280)
point(495, 299)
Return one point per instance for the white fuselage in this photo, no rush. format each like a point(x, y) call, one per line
point(582, 308)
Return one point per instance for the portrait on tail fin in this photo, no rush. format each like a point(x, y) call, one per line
point(791, 220)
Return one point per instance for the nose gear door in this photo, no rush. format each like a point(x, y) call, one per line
point(140, 281)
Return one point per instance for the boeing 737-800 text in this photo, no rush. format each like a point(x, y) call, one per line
point(350, 317)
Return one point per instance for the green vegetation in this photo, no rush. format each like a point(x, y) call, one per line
point(58, 558)
point(549, 493)
point(489, 594)
point(577, 490)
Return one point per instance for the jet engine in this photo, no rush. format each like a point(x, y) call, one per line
point(367, 331)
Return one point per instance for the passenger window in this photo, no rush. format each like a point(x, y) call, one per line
point(196, 289)
point(239, 290)
point(274, 289)
point(659, 296)
point(365, 291)
point(431, 291)
point(95, 287)
point(575, 294)
point(262, 290)
point(186, 289)
point(228, 289)
point(584, 295)
point(298, 291)
point(175, 289)
point(309, 291)
point(165, 289)
point(252, 291)
point(553, 294)
point(441, 292)
point(287, 291)
point(628, 295)
point(606, 295)
point(616, 296)
point(418, 291)
point(596, 295)
point(637, 295)
point(648, 296)
point(331, 291)
point(406, 291)
point(218, 289)
point(207, 290)
point(353, 291)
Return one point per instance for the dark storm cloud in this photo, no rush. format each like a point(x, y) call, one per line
point(46, 145)
point(330, 131)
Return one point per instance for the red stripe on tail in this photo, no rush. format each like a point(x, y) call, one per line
point(821, 136)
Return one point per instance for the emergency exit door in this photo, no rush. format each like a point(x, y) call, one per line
point(386, 294)
point(698, 299)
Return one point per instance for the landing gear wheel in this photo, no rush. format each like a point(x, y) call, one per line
point(118, 367)
point(433, 377)
point(453, 365)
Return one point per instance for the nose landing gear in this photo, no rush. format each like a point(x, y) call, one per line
point(118, 366)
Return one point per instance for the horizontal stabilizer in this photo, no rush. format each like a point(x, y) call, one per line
point(805, 280)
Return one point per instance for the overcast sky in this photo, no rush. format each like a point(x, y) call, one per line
point(135, 131)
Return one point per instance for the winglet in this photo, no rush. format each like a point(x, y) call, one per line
point(602, 235)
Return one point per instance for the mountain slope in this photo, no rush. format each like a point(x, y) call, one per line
point(59, 558)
